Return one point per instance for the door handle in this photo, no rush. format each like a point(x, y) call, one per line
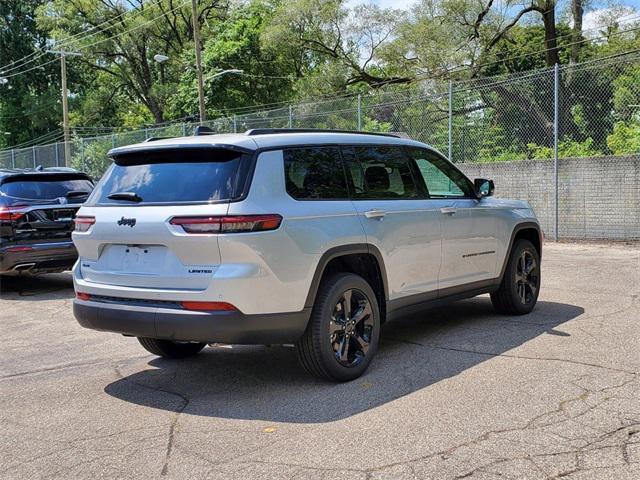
point(448, 210)
point(375, 214)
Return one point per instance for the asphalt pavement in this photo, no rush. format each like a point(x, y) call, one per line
point(457, 392)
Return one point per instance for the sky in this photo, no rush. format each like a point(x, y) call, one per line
point(597, 5)
point(591, 20)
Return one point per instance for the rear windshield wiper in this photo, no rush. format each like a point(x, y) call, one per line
point(130, 196)
point(77, 193)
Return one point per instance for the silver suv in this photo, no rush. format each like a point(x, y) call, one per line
point(290, 236)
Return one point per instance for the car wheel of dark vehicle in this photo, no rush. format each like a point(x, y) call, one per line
point(343, 331)
point(170, 349)
point(520, 286)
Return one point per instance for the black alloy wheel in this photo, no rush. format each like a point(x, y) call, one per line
point(342, 335)
point(520, 284)
point(351, 328)
point(526, 278)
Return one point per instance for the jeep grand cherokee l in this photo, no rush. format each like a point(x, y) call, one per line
point(37, 207)
point(279, 236)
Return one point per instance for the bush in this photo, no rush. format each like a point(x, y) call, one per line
point(90, 156)
point(566, 149)
point(625, 139)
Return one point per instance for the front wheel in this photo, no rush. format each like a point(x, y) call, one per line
point(169, 348)
point(343, 331)
point(520, 286)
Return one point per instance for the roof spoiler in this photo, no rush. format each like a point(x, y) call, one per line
point(270, 131)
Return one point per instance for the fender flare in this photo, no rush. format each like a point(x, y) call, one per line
point(341, 251)
point(518, 228)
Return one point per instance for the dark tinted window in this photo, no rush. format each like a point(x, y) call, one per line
point(440, 177)
point(314, 173)
point(47, 189)
point(380, 173)
point(207, 180)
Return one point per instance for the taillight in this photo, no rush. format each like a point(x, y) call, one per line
point(11, 214)
point(19, 249)
point(83, 224)
point(83, 296)
point(208, 306)
point(228, 223)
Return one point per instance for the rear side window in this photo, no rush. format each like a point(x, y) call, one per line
point(315, 173)
point(47, 189)
point(382, 173)
point(172, 177)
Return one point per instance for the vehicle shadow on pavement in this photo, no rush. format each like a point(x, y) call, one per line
point(266, 383)
point(51, 286)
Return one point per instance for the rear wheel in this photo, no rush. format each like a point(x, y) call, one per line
point(169, 348)
point(343, 331)
point(520, 286)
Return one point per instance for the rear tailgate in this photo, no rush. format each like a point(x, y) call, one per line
point(39, 207)
point(137, 247)
point(130, 242)
point(43, 223)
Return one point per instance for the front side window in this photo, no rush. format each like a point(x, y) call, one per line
point(381, 173)
point(315, 174)
point(440, 177)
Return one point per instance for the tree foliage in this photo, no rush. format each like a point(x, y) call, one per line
point(301, 49)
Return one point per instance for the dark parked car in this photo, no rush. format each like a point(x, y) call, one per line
point(37, 208)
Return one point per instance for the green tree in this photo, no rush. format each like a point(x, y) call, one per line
point(29, 101)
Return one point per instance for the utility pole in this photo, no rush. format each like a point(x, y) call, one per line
point(65, 105)
point(556, 114)
point(196, 41)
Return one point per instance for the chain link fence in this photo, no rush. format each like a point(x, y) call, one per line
point(567, 139)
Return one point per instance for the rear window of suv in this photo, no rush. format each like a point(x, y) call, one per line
point(46, 188)
point(187, 176)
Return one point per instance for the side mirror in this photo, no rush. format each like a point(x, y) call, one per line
point(484, 187)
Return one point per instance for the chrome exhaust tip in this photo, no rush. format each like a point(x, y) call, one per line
point(23, 267)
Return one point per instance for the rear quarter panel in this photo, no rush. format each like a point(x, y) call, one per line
point(283, 262)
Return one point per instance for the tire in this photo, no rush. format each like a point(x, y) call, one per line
point(518, 293)
point(170, 349)
point(341, 350)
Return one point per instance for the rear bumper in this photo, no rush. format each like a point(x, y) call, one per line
point(184, 325)
point(54, 256)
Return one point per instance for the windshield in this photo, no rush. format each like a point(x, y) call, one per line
point(72, 190)
point(166, 181)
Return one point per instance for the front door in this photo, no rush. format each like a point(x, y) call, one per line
point(469, 229)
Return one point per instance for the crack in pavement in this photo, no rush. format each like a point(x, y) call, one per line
point(65, 366)
point(507, 355)
point(178, 411)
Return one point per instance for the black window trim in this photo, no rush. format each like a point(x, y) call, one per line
point(340, 146)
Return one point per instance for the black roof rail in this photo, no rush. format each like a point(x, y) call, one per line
point(203, 130)
point(153, 139)
point(268, 131)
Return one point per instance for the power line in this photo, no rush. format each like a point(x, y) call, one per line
point(82, 47)
point(29, 70)
point(47, 137)
point(78, 36)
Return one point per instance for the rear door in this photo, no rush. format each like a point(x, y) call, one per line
point(396, 217)
point(133, 242)
point(469, 230)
